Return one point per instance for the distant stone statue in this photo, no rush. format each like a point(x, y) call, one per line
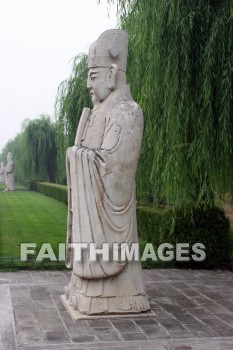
point(2, 173)
point(9, 173)
point(101, 169)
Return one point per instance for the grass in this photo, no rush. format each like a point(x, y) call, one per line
point(30, 217)
point(18, 187)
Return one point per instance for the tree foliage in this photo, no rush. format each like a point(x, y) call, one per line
point(180, 70)
point(34, 150)
point(15, 147)
point(72, 97)
point(41, 155)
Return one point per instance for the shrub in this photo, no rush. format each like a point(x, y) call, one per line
point(152, 222)
point(208, 226)
point(158, 225)
point(56, 191)
point(30, 184)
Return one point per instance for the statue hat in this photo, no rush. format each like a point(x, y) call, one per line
point(111, 47)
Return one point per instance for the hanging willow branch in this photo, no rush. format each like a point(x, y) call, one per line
point(72, 97)
point(34, 150)
point(180, 69)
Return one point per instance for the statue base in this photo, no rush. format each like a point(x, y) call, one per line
point(76, 315)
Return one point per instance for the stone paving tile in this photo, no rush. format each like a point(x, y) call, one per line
point(181, 334)
point(125, 326)
point(99, 323)
point(47, 313)
point(152, 275)
point(193, 310)
point(187, 319)
point(56, 336)
point(228, 318)
point(40, 277)
point(58, 303)
point(44, 304)
point(19, 301)
point(52, 325)
point(190, 292)
point(161, 313)
point(146, 321)
point(65, 317)
point(154, 332)
point(201, 313)
point(23, 277)
point(57, 277)
point(80, 338)
point(19, 291)
point(55, 289)
point(134, 336)
point(125, 348)
point(106, 334)
point(171, 324)
point(225, 345)
point(7, 324)
point(78, 328)
point(30, 334)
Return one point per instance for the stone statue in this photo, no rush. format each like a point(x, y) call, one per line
point(101, 169)
point(9, 173)
point(2, 173)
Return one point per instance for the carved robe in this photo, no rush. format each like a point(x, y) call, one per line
point(102, 207)
point(9, 176)
point(2, 173)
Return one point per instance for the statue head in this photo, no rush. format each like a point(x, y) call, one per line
point(9, 156)
point(107, 59)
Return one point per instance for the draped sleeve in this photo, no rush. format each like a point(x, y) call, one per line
point(101, 190)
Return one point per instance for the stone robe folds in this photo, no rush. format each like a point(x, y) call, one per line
point(102, 207)
point(2, 173)
point(9, 176)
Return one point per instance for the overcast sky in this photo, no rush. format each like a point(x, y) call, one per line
point(37, 40)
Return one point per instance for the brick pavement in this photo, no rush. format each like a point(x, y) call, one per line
point(193, 310)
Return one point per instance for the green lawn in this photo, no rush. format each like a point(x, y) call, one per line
point(18, 187)
point(30, 217)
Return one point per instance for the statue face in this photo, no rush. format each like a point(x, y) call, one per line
point(98, 83)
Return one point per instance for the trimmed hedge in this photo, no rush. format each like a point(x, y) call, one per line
point(30, 184)
point(153, 222)
point(208, 226)
point(159, 225)
point(204, 225)
point(56, 191)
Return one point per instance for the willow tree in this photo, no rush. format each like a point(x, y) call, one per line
point(40, 148)
point(15, 146)
point(72, 97)
point(180, 70)
point(34, 150)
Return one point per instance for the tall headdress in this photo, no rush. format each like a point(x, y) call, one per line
point(111, 47)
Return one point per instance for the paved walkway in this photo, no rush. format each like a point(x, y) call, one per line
point(192, 310)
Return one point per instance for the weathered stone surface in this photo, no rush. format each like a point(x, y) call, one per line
point(2, 173)
point(7, 326)
point(43, 329)
point(9, 173)
point(101, 169)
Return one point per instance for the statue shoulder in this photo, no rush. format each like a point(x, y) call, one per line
point(131, 111)
point(124, 111)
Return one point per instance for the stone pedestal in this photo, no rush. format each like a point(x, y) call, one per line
point(76, 315)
